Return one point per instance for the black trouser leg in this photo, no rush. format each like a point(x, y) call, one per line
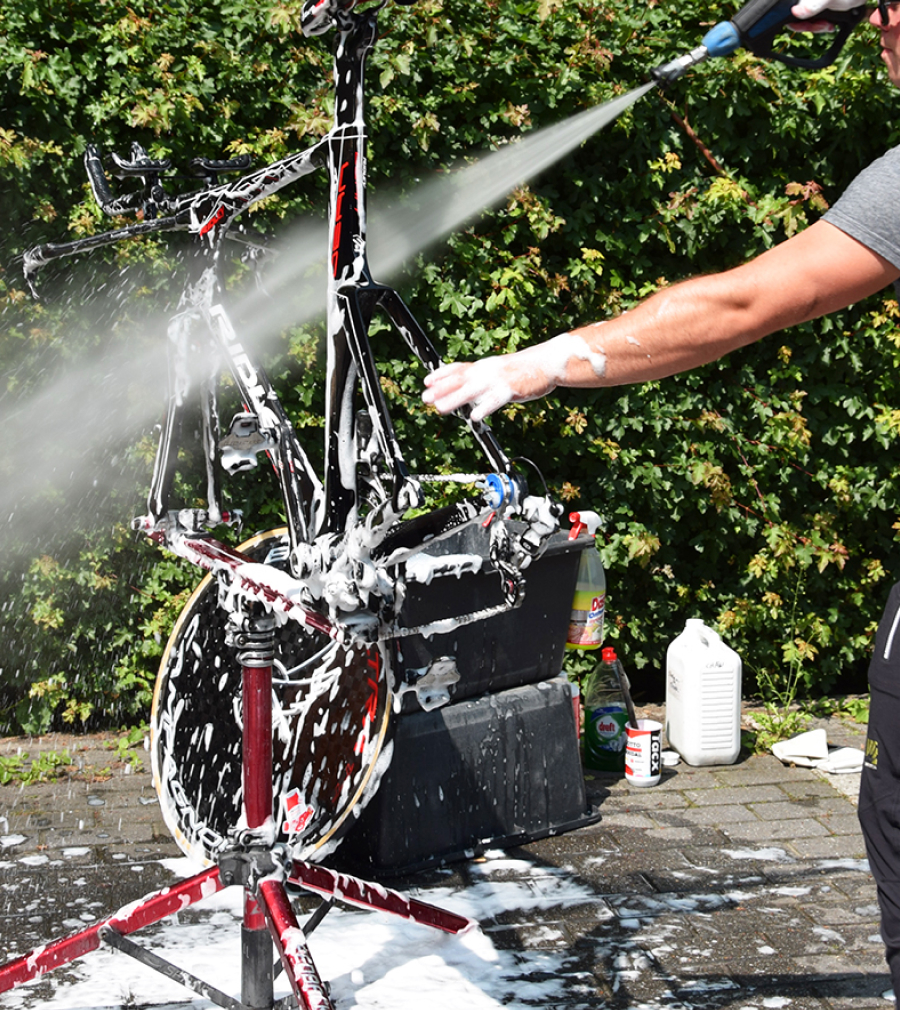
point(881, 849)
point(879, 793)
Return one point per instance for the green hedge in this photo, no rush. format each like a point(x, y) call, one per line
point(757, 493)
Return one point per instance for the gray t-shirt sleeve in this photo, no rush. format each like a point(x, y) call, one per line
point(869, 210)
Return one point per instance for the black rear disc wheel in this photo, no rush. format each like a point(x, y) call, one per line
point(331, 729)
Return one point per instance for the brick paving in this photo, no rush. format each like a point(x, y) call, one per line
point(743, 886)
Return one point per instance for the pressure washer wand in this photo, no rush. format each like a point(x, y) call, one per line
point(722, 40)
point(754, 27)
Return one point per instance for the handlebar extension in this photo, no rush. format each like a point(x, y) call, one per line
point(138, 166)
point(145, 200)
point(209, 168)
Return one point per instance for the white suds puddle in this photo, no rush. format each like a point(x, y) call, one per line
point(374, 960)
point(370, 959)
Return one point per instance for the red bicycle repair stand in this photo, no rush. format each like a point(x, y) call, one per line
point(261, 868)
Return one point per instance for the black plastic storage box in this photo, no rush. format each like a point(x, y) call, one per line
point(498, 770)
point(521, 646)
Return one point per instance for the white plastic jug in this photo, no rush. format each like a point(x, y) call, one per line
point(703, 697)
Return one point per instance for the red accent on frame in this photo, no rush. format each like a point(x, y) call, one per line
point(213, 220)
point(147, 910)
point(292, 949)
point(338, 203)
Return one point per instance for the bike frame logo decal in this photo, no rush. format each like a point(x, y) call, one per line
point(244, 371)
point(297, 816)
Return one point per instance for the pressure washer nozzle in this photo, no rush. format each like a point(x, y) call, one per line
point(722, 40)
point(665, 74)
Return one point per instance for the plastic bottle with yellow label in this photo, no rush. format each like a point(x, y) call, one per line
point(586, 622)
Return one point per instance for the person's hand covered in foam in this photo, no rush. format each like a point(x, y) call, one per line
point(491, 383)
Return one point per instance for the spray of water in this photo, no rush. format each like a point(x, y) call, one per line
point(451, 200)
point(295, 289)
point(71, 436)
point(59, 433)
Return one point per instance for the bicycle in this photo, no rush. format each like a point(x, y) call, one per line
point(338, 570)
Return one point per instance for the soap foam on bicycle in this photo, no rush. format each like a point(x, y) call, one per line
point(336, 570)
point(287, 298)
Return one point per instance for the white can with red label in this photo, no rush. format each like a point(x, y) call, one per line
point(643, 752)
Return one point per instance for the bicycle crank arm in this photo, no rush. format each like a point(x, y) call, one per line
point(276, 590)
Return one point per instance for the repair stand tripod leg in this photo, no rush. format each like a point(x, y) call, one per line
point(150, 909)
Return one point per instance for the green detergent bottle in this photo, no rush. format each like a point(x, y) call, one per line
point(605, 717)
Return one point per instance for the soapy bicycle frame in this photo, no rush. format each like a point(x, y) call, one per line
point(324, 530)
point(329, 544)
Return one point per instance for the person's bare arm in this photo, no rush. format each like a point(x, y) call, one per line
point(818, 271)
